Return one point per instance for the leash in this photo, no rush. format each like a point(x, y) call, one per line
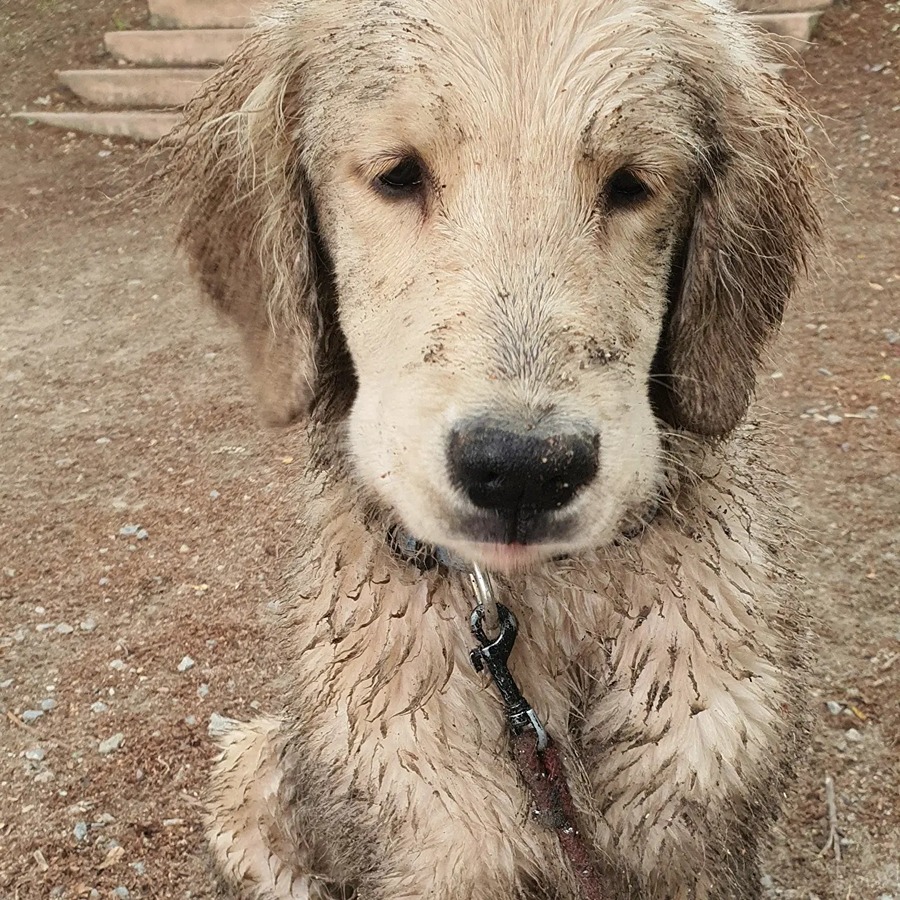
point(534, 752)
point(536, 756)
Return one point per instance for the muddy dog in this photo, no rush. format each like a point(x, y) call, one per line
point(512, 262)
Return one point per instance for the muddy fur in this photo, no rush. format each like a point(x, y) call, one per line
point(515, 280)
point(667, 667)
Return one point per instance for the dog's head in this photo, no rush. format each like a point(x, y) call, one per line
point(516, 239)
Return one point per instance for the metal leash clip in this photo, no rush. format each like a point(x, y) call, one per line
point(494, 653)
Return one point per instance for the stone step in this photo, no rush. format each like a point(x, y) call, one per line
point(783, 6)
point(204, 13)
point(205, 32)
point(142, 88)
point(794, 28)
point(184, 47)
point(139, 126)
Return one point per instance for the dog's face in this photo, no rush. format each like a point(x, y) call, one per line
point(533, 257)
point(502, 242)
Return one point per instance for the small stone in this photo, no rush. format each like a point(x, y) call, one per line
point(885, 897)
point(214, 495)
point(103, 440)
point(94, 894)
point(129, 530)
point(767, 882)
point(36, 754)
point(139, 868)
point(220, 725)
point(48, 704)
point(190, 720)
point(111, 744)
point(834, 707)
point(99, 707)
point(853, 736)
point(118, 665)
point(185, 664)
point(80, 831)
point(121, 891)
point(203, 690)
point(19, 635)
point(88, 624)
point(834, 419)
point(7, 683)
point(31, 715)
point(63, 628)
point(105, 819)
point(44, 626)
point(142, 534)
point(44, 777)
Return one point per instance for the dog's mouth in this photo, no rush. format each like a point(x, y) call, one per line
point(518, 527)
point(483, 539)
point(507, 557)
point(506, 540)
point(506, 543)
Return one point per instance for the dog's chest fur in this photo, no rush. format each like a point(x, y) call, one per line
point(662, 668)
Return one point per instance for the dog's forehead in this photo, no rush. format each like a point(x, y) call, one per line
point(487, 69)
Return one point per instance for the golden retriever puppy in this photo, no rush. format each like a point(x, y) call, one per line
point(513, 262)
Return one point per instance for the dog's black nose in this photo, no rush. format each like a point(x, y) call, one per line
point(509, 470)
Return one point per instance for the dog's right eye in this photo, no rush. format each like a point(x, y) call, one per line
point(406, 178)
point(625, 189)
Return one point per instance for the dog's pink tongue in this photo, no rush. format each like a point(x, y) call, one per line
point(508, 557)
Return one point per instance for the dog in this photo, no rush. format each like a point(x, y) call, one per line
point(512, 263)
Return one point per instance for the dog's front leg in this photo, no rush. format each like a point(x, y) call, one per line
point(696, 727)
point(398, 750)
point(444, 815)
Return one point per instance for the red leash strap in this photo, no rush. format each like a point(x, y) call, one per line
point(537, 757)
point(543, 773)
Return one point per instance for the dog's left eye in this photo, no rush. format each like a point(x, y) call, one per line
point(624, 188)
point(407, 177)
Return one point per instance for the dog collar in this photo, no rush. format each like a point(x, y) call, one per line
point(425, 557)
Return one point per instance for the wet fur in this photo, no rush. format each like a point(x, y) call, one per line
point(667, 666)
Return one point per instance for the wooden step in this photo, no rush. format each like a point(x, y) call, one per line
point(205, 13)
point(181, 47)
point(142, 88)
point(139, 126)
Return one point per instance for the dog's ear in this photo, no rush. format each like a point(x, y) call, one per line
point(247, 224)
point(745, 243)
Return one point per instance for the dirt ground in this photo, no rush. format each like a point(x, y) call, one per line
point(144, 520)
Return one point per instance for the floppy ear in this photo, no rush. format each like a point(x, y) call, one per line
point(746, 242)
point(247, 224)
